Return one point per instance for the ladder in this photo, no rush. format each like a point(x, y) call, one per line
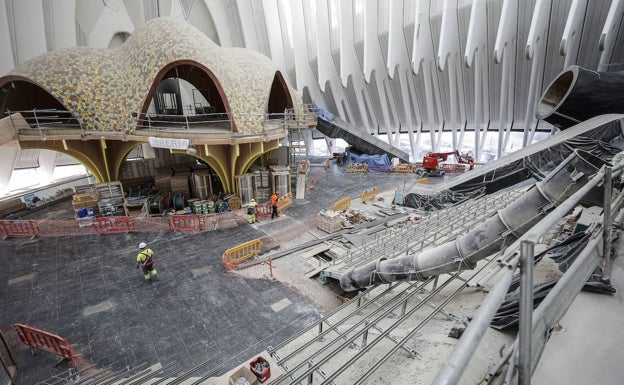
point(298, 150)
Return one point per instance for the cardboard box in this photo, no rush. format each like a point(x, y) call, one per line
point(261, 368)
point(243, 372)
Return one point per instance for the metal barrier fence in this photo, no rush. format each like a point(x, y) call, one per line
point(264, 210)
point(42, 340)
point(237, 254)
point(187, 223)
point(114, 225)
point(121, 224)
point(19, 228)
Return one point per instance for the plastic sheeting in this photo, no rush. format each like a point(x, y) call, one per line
point(563, 254)
point(323, 114)
point(604, 142)
point(446, 199)
point(371, 160)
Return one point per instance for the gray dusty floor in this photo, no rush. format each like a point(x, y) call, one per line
point(587, 348)
point(87, 290)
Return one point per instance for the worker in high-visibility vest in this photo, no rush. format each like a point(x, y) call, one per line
point(251, 211)
point(274, 199)
point(145, 259)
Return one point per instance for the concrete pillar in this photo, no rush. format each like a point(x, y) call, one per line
point(47, 162)
point(8, 156)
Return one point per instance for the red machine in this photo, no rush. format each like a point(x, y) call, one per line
point(431, 162)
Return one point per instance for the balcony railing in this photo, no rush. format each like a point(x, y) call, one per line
point(46, 121)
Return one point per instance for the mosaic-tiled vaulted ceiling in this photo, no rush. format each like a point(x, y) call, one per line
point(106, 86)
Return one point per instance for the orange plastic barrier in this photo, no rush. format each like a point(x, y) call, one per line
point(18, 228)
point(114, 225)
point(187, 223)
point(237, 254)
point(44, 341)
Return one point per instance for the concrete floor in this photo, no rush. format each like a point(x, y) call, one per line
point(587, 347)
point(87, 290)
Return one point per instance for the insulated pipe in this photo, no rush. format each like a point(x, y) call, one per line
point(503, 228)
point(578, 94)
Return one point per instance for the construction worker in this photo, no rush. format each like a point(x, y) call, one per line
point(146, 260)
point(274, 199)
point(251, 211)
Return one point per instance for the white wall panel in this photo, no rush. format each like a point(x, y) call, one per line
point(29, 36)
point(609, 35)
point(7, 61)
point(505, 54)
point(476, 56)
point(327, 68)
point(535, 50)
point(570, 41)
point(449, 58)
point(47, 160)
point(110, 22)
point(61, 24)
point(248, 24)
point(201, 18)
point(305, 76)
point(398, 62)
point(8, 156)
point(375, 69)
point(274, 35)
point(424, 66)
point(350, 67)
point(219, 18)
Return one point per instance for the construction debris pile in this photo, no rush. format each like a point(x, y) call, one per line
point(331, 221)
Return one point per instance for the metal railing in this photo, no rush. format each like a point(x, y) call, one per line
point(46, 120)
point(455, 365)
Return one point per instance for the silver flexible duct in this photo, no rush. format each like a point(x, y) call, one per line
point(501, 229)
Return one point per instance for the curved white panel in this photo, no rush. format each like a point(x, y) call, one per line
point(610, 32)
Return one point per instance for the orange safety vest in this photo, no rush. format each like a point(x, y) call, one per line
point(273, 200)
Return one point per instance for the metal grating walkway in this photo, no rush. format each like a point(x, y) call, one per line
point(352, 343)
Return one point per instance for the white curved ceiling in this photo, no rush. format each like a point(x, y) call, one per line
point(423, 74)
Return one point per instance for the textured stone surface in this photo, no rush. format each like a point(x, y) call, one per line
point(107, 85)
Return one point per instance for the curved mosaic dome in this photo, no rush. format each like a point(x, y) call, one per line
point(107, 85)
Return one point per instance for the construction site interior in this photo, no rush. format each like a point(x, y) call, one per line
point(410, 203)
point(215, 312)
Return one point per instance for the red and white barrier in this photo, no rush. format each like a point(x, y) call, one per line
point(187, 223)
point(114, 225)
point(18, 228)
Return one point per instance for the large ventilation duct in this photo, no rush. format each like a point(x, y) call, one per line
point(578, 94)
point(501, 229)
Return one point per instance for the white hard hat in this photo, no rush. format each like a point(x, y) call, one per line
point(253, 200)
point(142, 245)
